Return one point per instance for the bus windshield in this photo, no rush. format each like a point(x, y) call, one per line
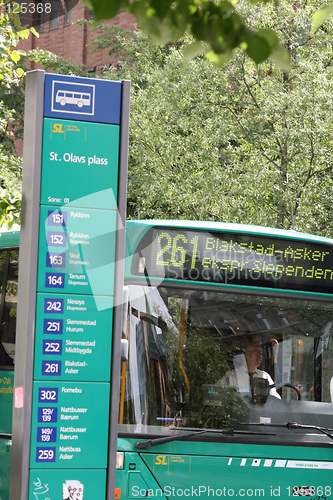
point(211, 359)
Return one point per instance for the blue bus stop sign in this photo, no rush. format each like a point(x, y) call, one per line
point(86, 99)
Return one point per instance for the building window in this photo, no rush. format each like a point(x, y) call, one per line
point(54, 22)
point(40, 16)
point(68, 6)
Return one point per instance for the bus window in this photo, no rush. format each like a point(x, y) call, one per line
point(188, 362)
point(8, 308)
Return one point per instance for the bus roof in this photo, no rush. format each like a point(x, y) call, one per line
point(137, 228)
point(9, 239)
point(223, 227)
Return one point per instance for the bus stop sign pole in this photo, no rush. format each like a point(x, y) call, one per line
point(67, 363)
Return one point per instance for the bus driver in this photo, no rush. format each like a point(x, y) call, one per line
point(246, 376)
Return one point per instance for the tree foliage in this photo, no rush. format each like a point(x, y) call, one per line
point(11, 113)
point(243, 143)
point(57, 64)
point(217, 26)
point(240, 143)
point(12, 72)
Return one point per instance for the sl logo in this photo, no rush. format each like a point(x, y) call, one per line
point(161, 460)
point(57, 128)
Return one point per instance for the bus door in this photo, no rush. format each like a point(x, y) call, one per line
point(8, 308)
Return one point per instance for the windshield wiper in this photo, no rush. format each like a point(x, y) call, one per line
point(295, 425)
point(143, 445)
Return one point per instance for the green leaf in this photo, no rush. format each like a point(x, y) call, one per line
point(279, 55)
point(34, 32)
point(193, 50)
point(16, 20)
point(219, 59)
point(321, 16)
point(20, 72)
point(23, 33)
point(257, 48)
point(281, 58)
point(269, 35)
point(15, 56)
point(103, 9)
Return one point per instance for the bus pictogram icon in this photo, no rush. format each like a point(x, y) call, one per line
point(76, 98)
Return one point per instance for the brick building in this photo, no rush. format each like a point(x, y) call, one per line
point(57, 33)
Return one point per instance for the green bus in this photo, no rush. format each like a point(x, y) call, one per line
point(226, 381)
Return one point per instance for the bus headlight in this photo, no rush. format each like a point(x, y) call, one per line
point(120, 460)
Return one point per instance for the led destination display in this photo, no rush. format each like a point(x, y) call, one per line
point(235, 259)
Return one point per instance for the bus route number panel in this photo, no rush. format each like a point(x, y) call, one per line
point(76, 250)
point(69, 425)
point(73, 334)
point(235, 259)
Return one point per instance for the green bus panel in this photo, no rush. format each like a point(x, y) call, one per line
point(213, 476)
point(248, 471)
point(80, 164)
point(6, 400)
point(76, 251)
point(73, 334)
point(5, 452)
point(67, 485)
point(69, 425)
